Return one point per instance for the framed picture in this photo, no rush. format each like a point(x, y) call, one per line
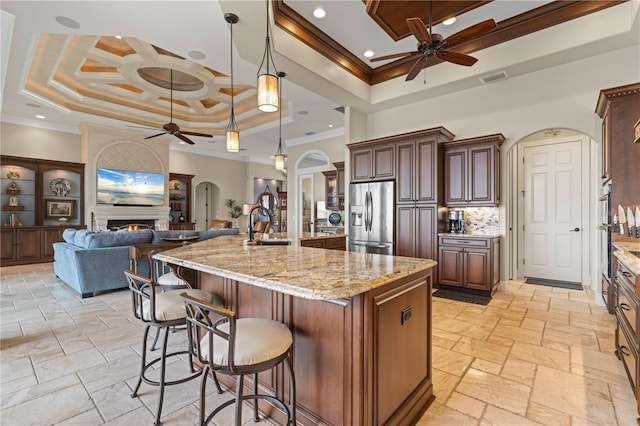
point(56, 209)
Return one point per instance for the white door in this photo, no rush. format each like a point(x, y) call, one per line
point(553, 230)
point(207, 195)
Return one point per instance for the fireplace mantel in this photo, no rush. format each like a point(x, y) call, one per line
point(100, 214)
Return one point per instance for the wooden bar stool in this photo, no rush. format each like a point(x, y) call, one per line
point(238, 347)
point(162, 310)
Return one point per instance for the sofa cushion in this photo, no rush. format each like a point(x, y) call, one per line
point(118, 238)
point(212, 233)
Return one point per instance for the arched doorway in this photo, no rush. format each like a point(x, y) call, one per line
point(207, 205)
point(551, 200)
point(309, 187)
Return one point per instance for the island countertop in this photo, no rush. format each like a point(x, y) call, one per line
point(298, 271)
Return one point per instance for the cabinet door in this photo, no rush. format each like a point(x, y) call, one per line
point(340, 177)
point(361, 164)
point(28, 247)
point(606, 149)
point(482, 176)
point(313, 243)
point(331, 190)
point(477, 269)
point(455, 170)
point(405, 231)
point(426, 171)
point(50, 236)
point(7, 243)
point(426, 227)
point(405, 179)
point(383, 158)
point(450, 265)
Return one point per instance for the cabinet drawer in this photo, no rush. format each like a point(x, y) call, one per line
point(628, 353)
point(335, 243)
point(627, 308)
point(465, 242)
point(627, 278)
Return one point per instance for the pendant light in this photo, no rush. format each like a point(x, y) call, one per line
point(267, 82)
point(233, 134)
point(280, 156)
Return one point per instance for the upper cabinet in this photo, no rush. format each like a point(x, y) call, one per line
point(180, 201)
point(373, 163)
point(334, 187)
point(417, 171)
point(472, 171)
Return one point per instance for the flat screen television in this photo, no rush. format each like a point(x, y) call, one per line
point(128, 188)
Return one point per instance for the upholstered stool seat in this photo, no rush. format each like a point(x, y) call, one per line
point(238, 347)
point(169, 280)
point(162, 310)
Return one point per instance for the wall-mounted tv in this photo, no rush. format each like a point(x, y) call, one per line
point(128, 188)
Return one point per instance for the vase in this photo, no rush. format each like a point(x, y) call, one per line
point(234, 222)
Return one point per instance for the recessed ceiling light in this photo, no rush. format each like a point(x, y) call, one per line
point(119, 37)
point(67, 22)
point(368, 53)
point(330, 125)
point(196, 54)
point(449, 21)
point(319, 13)
point(183, 143)
point(303, 112)
point(41, 117)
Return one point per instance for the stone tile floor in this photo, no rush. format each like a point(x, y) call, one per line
point(534, 355)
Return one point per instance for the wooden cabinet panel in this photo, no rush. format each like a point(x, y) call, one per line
point(426, 227)
point(361, 165)
point(340, 178)
point(7, 245)
point(405, 230)
point(469, 262)
point(49, 236)
point(28, 247)
point(472, 171)
point(339, 243)
point(383, 162)
point(313, 243)
point(427, 169)
point(373, 163)
point(405, 190)
point(331, 190)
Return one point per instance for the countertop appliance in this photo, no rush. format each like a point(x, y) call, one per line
point(457, 222)
point(371, 219)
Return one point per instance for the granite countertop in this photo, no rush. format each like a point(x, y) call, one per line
point(475, 234)
point(298, 271)
point(623, 253)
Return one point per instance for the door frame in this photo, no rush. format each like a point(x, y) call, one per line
point(515, 199)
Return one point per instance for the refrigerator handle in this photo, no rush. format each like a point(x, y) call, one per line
point(370, 209)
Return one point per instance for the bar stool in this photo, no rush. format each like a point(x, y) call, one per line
point(237, 347)
point(162, 310)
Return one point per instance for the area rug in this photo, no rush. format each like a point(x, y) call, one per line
point(551, 283)
point(462, 296)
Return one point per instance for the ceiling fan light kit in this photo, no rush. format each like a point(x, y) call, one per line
point(233, 134)
point(280, 155)
point(267, 82)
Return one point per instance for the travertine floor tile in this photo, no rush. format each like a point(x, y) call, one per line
point(547, 416)
point(541, 355)
point(64, 365)
point(466, 405)
point(477, 348)
point(519, 370)
point(518, 333)
point(495, 390)
point(440, 415)
point(496, 416)
point(450, 361)
point(34, 391)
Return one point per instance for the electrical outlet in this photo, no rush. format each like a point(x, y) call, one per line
point(406, 315)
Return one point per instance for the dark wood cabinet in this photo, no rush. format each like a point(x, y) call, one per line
point(417, 171)
point(373, 163)
point(180, 201)
point(472, 171)
point(330, 243)
point(334, 187)
point(340, 181)
point(469, 262)
point(416, 230)
point(30, 244)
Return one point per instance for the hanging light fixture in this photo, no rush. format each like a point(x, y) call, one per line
point(233, 134)
point(267, 82)
point(280, 156)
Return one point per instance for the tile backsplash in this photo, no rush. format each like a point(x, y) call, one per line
point(482, 219)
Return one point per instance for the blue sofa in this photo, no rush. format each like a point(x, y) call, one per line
point(93, 262)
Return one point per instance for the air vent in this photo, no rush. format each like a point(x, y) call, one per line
point(340, 109)
point(310, 133)
point(494, 77)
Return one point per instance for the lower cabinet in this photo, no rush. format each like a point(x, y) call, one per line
point(331, 243)
point(626, 311)
point(30, 244)
point(469, 262)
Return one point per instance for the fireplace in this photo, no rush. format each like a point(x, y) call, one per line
point(105, 216)
point(131, 224)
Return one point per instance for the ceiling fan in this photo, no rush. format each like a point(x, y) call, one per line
point(430, 44)
point(172, 128)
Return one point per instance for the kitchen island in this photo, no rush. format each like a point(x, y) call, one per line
point(361, 324)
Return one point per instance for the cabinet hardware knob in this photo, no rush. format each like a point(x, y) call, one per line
point(625, 307)
point(624, 351)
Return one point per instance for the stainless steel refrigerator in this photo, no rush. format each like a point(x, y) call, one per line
point(371, 217)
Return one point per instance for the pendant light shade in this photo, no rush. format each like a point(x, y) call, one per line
point(267, 81)
point(280, 156)
point(233, 134)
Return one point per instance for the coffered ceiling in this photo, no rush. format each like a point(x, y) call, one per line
point(86, 73)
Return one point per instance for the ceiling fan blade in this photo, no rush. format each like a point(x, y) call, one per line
point(417, 67)
point(159, 134)
point(180, 136)
point(393, 56)
point(419, 30)
point(204, 135)
point(470, 33)
point(457, 58)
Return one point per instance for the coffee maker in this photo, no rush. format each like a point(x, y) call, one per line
point(457, 223)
